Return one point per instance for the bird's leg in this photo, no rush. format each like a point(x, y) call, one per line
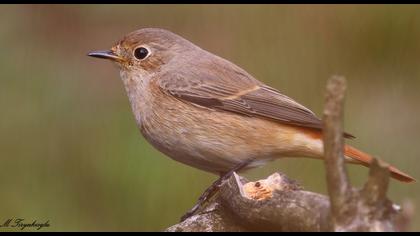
point(214, 187)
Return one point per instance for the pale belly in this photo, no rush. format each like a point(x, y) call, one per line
point(216, 141)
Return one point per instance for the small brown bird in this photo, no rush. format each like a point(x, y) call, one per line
point(207, 112)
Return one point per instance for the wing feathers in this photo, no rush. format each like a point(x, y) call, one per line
point(236, 92)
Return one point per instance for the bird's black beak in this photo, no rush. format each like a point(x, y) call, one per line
point(108, 54)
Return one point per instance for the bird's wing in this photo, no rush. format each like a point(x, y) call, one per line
point(238, 92)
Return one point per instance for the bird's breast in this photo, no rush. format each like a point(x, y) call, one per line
point(207, 139)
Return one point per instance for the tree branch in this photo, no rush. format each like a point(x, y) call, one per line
point(352, 209)
point(273, 204)
point(339, 188)
point(279, 204)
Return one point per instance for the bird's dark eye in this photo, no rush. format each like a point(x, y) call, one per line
point(141, 53)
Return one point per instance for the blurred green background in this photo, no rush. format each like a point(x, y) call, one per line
point(70, 150)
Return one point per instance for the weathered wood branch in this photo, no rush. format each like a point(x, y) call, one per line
point(366, 209)
point(339, 188)
point(273, 204)
point(279, 204)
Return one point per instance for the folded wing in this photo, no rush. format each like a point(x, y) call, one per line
point(236, 91)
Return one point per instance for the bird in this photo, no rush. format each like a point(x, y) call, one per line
point(207, 112)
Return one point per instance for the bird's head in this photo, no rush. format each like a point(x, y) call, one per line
point(146, 50)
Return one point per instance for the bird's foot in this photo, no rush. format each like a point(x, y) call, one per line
point(212, 190)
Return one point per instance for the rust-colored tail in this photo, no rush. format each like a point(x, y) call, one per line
point(365, 160)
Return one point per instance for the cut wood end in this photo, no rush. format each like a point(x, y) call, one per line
point(263, 189)
point(258, 190)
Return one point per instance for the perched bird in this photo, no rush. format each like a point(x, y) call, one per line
point(206, 112)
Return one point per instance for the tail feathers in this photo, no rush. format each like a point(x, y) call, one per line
point(365, 159)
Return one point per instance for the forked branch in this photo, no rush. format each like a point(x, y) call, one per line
point(279, 204)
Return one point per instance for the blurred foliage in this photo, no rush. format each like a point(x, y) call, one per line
point(69, 147)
